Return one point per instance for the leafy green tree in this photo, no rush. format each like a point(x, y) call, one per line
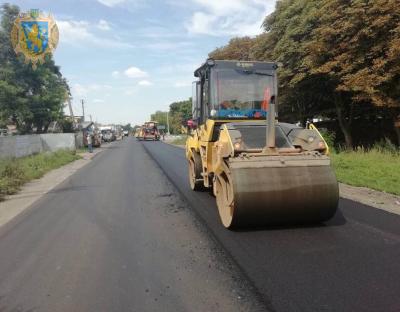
point(357, 43)
point(160, 117)
point(338, 57)
point(30, 98)
point(236, 49)
point(179, 114)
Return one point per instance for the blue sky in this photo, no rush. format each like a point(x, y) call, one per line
point(129, 58)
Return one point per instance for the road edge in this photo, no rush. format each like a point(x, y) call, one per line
point(265, 301)
point(364, 195)
point(15, 204)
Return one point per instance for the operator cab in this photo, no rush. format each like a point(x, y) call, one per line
point(233, 90)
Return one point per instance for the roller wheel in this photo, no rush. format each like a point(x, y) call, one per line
point(225, 199)
point(195, 169)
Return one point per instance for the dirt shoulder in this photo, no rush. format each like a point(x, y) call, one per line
point(32, 191)
point(367, 196)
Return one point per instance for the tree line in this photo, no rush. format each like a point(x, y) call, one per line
point(30, 99)
point(179, 112)
point(339, 62)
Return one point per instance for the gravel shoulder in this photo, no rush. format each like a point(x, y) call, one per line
point(15, 204)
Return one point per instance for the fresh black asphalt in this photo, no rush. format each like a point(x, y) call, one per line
point(351, 263)
point(126, 233)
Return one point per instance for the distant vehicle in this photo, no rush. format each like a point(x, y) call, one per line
point(107, 135)
point(140, 133)
point(137, 132)
point(126, 132)
point(150, 131)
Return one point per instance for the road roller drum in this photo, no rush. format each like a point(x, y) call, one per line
point(276, 190)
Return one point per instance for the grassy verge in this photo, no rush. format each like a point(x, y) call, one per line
point(180, 141)
point(15, 172)
point(82, 150)
point(376, 169)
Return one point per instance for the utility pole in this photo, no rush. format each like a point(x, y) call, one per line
point(71, 113)
point(83, 110)
point(70, 108)
point(168, 123)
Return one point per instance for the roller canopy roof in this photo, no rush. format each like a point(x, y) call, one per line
point(244, 65)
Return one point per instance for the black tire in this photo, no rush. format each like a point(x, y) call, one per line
point(195, 170)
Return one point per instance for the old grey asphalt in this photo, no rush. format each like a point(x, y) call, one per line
point(115, 236)
point(351, 263)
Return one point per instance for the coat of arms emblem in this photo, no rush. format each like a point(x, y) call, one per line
point(34, 35)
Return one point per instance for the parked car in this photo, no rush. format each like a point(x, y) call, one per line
point(107, 135)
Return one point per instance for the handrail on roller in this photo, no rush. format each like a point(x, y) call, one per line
point(313, 127)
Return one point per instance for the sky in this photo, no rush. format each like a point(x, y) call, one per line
point(129, 58)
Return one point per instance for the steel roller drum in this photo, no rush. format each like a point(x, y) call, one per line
point(277, 190)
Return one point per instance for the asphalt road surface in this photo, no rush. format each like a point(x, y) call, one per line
point(116, 237)
point(351, 263)
point(126, 233)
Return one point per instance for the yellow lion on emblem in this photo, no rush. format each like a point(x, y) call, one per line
point(35, 38)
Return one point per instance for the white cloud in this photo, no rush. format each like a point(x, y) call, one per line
point(74, 31)
point(79, 33)
point(229, 17)
point(134, 72)
point(115, 74)
point(145, 83)
point(111, 3)
point(201, 23)
point(103, 25)
point(222, 7)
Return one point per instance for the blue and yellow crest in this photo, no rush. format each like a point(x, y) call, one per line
point(34, 35)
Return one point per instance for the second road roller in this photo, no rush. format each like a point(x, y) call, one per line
point(262, 171)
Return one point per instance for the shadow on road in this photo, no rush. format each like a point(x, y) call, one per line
point(337, 220)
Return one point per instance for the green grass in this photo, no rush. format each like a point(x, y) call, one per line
point(15, 172)
point(82, 150)
point(375, 169)
point(180, 141)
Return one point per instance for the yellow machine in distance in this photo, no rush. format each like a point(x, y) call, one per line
point(149, 131)
point(262, 172)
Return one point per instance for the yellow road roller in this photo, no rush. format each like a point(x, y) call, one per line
point(262, 172)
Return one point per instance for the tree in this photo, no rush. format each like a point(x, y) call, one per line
point(30, 99)
point(303, 94)
point(160, 117)
point(179, 114)
point(358, 45)
point(236, 49)
point(127, 127)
